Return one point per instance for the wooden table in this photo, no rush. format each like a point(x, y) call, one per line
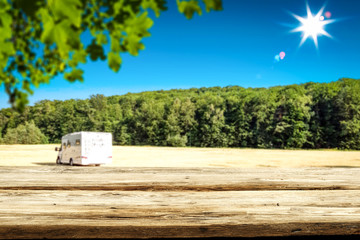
point(105, 202)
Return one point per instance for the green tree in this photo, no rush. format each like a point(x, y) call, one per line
point(211, 128)
point(312, 115)
point(260, 108)
point(292, 118)
point(237, 118)
point(326, 115)
point(147, 124)
point(179, 122)
point(172, 124)
point(98, 113)
point(348, 101)
point(121, 134)
point(26, 133)
point(44, 114)
point(188, 123)
point(40, 39)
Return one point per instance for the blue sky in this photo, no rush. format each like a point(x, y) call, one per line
point(236, 46)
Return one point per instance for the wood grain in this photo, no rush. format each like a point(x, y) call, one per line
point(94, 202)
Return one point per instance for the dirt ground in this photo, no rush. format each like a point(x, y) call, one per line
point(139, 156)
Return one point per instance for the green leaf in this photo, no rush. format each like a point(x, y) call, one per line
point(153, 5)
point(139, 25)
point(29, 9)
point(118, 6)
point(114, 61)
point(4, 6)
point(136, 28)
point(95, 51)
point(133, 45)
point(47, 36)
point(75, 74)
point(26, 87)
point(66, 9)
point(101, 39)
point(5, 26)
point(78, 56)
point(115, 45)
point(213, 5)
point(188, 8)
point(6, 46)
point(65, 37)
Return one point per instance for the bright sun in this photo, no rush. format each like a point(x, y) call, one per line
point(312, 25)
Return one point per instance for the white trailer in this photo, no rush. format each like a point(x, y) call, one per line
point(85, 148)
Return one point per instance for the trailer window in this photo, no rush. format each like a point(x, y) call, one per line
point(77, 142)
point(64, 144)
point(68, 145)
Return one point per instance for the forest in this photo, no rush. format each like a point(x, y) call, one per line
point(309, 116)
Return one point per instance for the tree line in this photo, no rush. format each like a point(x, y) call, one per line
point(310, 115)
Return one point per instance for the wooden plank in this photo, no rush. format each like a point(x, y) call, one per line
point(169, 214)
point(178, 179)
point(47, 202)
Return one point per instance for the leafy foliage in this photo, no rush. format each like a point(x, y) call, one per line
point(40, 39)
point(312, 115)
point(176, 140)
point(26, 133)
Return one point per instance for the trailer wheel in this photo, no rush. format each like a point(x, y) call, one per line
point(71, 163)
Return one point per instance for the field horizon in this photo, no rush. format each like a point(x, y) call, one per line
point(150, 156)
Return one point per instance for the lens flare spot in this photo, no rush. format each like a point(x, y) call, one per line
point(328, 14)
point(282, 55)
point(277, 58)
point(321, 18)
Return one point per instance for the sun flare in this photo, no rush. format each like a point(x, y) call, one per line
point(312, 25)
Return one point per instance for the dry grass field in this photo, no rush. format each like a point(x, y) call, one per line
point(125, 156)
